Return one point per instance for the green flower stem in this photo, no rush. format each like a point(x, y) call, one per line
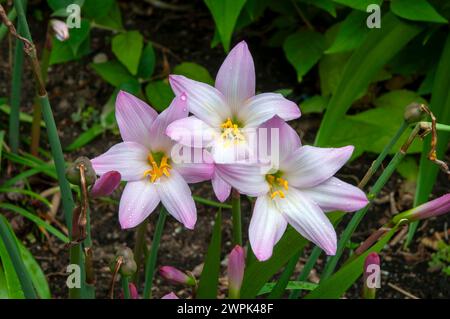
point(236, 212)
point(359, 215)
point(16, 87)
point(306, 270)
point(139, 248)
point(125, 287)
point(151, 260)
point(211, 203)
point(14, 254)
point(278, 290)
point(370, 172)
point(3, 29)
point(37, 110)
point(75, 258)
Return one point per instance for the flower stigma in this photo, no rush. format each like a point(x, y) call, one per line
point(160, 166)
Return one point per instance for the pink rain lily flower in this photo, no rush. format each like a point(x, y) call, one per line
point(143, 160)
point(433, 208)
point(300, 190)
point(224, 116)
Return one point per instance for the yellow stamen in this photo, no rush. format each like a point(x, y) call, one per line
point(275, 185)
point(157, 170)
point(231, 133)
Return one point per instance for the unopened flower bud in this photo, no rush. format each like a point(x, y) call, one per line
point(413, 113)
point(73, 171)
point(176, 276)
point(60, 30)
point(133, 291)
point(372, 275)
point(170, 295)
point(236, 266)
point(128, 266)
point(106, 184)
point(436, 207)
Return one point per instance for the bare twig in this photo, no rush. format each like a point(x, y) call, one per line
point(403, 291)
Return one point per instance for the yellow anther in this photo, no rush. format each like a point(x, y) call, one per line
point(275, 185)
point(157, 170)
point(231, 133)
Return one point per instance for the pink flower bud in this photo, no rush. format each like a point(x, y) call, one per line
point(372, 275)
point(133, 291)
point(236, 265)
point(434, 208)
point(106, 184)
point(170, 296)
point(60, 29)
point(176, 276)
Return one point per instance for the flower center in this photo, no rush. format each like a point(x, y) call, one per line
point(231, 132)
point(160, 166)
point(277, 185)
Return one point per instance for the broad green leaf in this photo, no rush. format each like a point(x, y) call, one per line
point(351, 33)
point(52, 230)
point(112, 20)
point(326, 5)
point(255, 8)
point(336, 285)
point(374, 128)
point(59, 7)
point(85, 137)
point(147, 63)
point(194, 71)
point(303, 50)
point(37, 275)
point(159, 94)
point(63, 4)
point(127, 47)
point(113, 72)
point(315, 104)
point(97, 8)
point(209, 279)
point(408, 168)
point(225, 14)
point(257, 273)
point(331, 66)
point(12, 281)
point(292, 285)
point(78, 36)
point(63, 52)
point(358, 4)
point(378, 48)
point(417, 10)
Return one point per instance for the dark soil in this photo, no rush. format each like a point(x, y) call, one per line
point(188, 35)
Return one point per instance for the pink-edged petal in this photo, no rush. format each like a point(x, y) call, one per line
point(263, 107)
point(266, 227)
point(246, 178)
point(196, 167)
point(191, 131)
point(204, 101)
point(309, 166)
point(278, 137)
point(236, 77)
point(170, 295)
point(308, 219)
point(128, 158)
point(221, 188)
point(139, 199)
point(225, 152)
point(134, 118)
point(177, 110)
point(334, 194)
point(177, 198)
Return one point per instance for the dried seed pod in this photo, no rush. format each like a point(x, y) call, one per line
point(73, 171)
point(414, 113)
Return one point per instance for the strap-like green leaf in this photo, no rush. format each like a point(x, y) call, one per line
point(209, 278)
